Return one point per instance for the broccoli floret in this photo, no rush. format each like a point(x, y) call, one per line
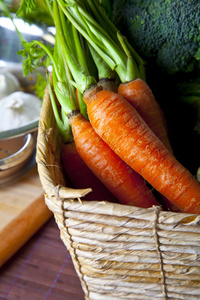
point(164, 31)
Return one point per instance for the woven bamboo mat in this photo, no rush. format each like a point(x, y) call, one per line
point(42, 269)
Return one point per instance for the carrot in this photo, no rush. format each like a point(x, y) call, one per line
point(125, 184)
point(129, 67)
point(81, 177)
point(123, 129)
point(140, 96)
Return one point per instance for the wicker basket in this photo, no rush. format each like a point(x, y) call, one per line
point(119, 252)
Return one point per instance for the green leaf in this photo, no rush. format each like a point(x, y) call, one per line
point(34, 56)
point(26, 7)
point(40, 85)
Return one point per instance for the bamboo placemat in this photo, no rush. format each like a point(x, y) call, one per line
point(42, 269)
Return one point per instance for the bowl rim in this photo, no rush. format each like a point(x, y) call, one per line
point(22, 130)
point(19, 156)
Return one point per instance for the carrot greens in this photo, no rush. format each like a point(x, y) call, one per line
point(29, 6)
point(106, 40)
point(61, 121)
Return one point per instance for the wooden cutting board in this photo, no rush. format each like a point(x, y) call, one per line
point(22, 212)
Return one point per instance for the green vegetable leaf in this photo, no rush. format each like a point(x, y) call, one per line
point(34, 56)
point(26, 7)
point(40, 85)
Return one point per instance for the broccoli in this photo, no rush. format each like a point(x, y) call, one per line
point(166, 32)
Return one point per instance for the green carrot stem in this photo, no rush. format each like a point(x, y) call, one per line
point(69, 48)
point(132, 67)
point(49, 8)
point(95, 35)
point(87, 56)
point(104, 38)
point(65, 92)
point(106, 4)
point(82, 105)
point(63, 127)
point(78, 49)
point(101, 15)
point(104, 71)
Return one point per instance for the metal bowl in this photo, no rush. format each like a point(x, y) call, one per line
point(17, 155)
point(18, 145)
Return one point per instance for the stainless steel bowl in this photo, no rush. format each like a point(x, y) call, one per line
point(18, 145)
point(17, 155)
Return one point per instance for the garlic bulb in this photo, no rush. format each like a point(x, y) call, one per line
point(8, 84)
point(18, 109)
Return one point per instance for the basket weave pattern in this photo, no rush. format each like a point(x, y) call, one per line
point(119, 252)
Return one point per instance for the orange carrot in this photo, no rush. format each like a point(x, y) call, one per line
point(124, 130)
point(125, 184)
point(80, 176)
point(140, 96)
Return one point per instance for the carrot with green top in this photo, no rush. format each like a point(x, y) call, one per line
point(123, 129)
point(125, 184)
point(121, 57)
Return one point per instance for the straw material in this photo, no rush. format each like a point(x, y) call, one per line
point(119, 252)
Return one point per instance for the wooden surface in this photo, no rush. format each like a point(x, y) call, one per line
point(41, 270)
point(22, 212)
